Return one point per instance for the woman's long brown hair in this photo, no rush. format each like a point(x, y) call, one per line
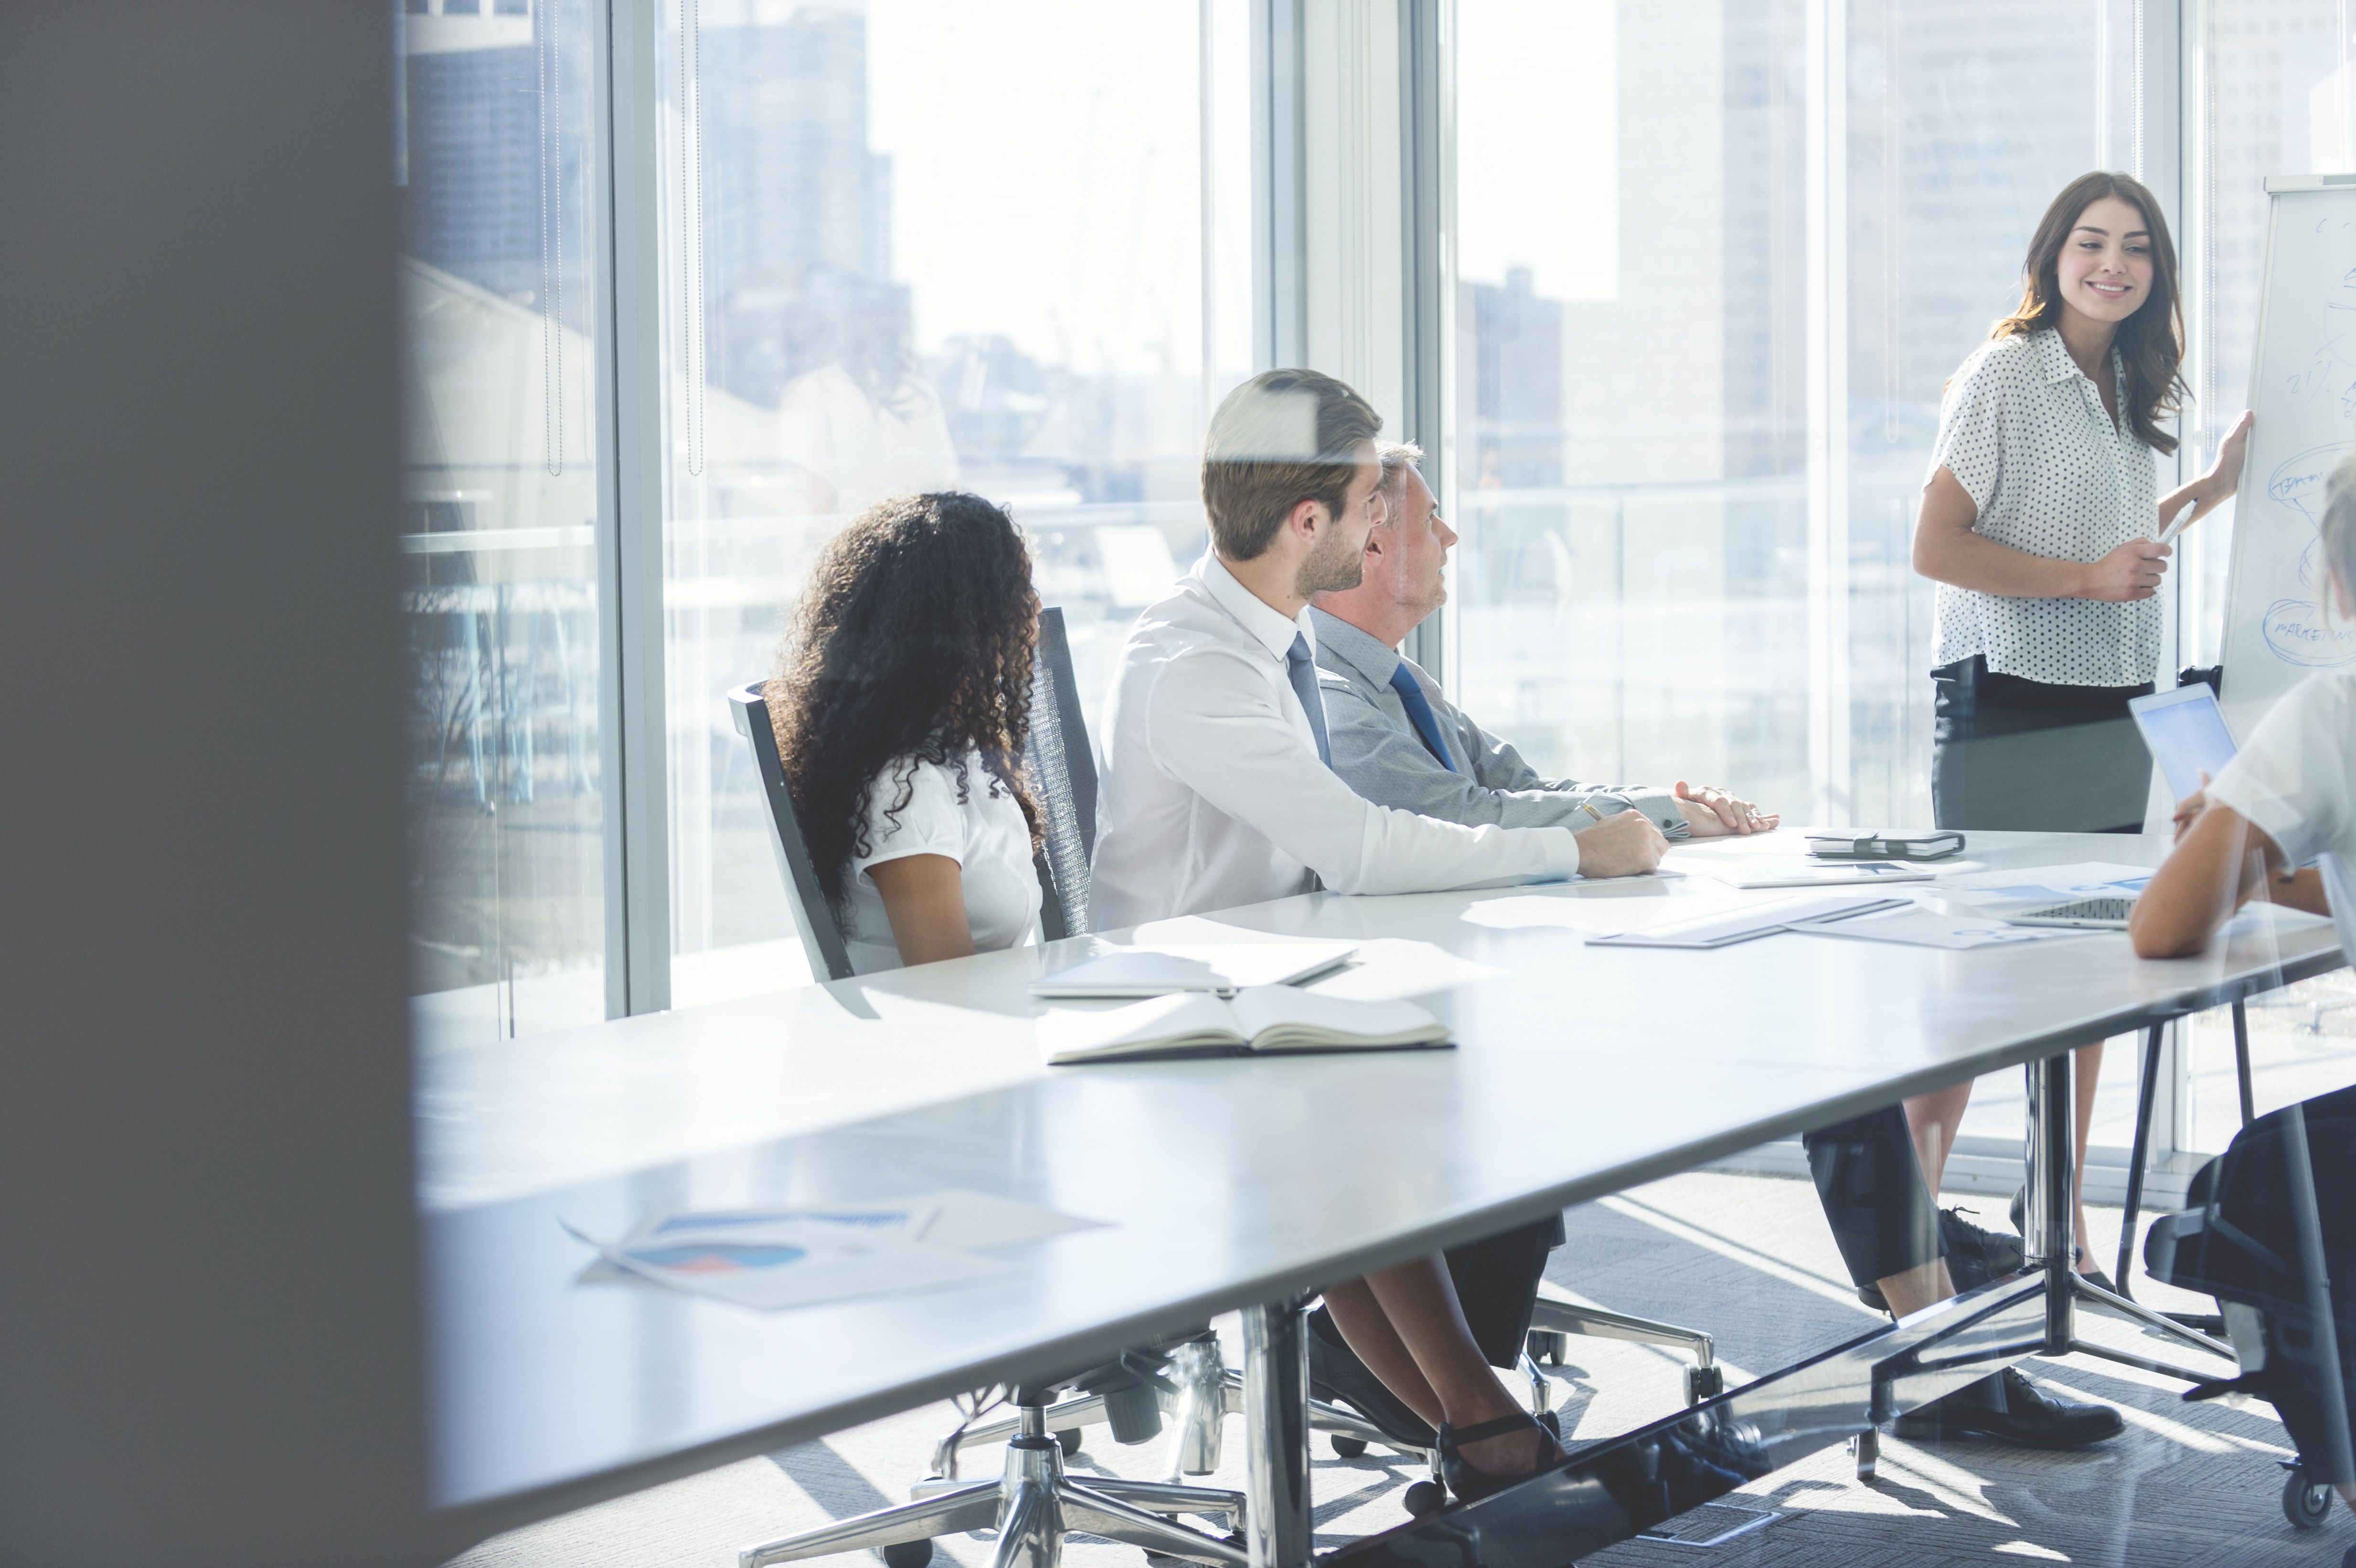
point(914, 640)
point(2151, 341)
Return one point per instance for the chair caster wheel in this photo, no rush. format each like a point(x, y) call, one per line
point(1546, 1348)
point(1425, 1498)
point(1070, 1439)
point(908, 1554)
point(1704, 1383)
point(2305, 1502)
point(1348, 1447)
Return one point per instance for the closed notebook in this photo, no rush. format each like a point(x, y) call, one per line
point(1263, 1019)
point(1222, 969)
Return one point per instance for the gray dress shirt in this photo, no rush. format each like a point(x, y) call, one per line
point(1378, 753)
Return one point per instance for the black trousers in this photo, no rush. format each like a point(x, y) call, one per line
point(1496, 1284)
point(1874, 1196)
point(2024, 756)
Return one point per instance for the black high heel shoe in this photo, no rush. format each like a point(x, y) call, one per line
point(1467, 1481)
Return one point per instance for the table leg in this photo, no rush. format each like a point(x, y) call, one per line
point(2049, 1211)
point(2242, 1063)
point(2338, 1464)
point(2148, 1091)
point(1276, 1434)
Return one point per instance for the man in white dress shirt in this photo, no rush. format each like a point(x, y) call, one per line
point(1218, 790)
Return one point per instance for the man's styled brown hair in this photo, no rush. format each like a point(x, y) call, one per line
point(1281, 438)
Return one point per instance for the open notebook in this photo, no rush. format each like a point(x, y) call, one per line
point(1223, 968)
point(1259, 1019)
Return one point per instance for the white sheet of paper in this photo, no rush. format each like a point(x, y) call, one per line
point(780, 1274)
point(2049, 883)
point(1759, 871)
point(1927, 929)
point(982, 1220)
point(800, 1256)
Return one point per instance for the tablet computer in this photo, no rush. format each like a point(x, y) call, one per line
point(2187, 734)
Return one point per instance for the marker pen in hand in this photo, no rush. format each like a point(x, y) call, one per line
point(2183, 515)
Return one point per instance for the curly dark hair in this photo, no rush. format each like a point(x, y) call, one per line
point(914, 640)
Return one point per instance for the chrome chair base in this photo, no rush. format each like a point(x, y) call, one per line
point(1033, 1507)
point(1204, 1393)
point(1554, 1320)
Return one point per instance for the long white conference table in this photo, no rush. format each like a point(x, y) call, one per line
point(1226, 1184)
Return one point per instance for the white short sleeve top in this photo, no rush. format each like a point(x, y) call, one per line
point(2024, 431)
point(977, 824)
point(2296, 779)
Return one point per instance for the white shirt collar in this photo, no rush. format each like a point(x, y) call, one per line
point(1270, 629)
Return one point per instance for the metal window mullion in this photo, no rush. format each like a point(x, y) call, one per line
point(630, 524)
point(1427, 238)
point(1827, 434)
point(1280, 242)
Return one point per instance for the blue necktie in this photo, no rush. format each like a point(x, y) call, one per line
point(1301, 667)
point(1419, 712)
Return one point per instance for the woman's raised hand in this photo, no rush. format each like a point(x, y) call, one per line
point(2224, 476)
point(2133, 571)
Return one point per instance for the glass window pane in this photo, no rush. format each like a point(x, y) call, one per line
point(921, 244)
point(1631, 390)
point(493, 163)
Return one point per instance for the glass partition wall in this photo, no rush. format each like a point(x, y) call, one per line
point(495, 178)
point(910, 245)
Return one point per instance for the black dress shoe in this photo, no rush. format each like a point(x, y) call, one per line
point(2010, 1408)
point(1469, 1484)
point(1974, 1257)
point(1336, 1375)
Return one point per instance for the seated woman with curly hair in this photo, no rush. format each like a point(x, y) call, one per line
point(902, 699)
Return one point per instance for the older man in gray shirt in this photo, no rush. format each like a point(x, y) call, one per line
point(1399, 742)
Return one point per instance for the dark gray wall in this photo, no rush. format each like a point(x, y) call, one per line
point(208, 1319)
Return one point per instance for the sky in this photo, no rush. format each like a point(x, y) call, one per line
point(1538, 152)
point(1045, 174)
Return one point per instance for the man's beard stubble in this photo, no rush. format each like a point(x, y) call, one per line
point(1334, 566)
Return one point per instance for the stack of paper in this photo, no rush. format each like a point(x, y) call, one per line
point(796, 1257)
point(1728, 927)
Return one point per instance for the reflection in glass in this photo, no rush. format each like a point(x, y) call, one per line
point(500, 500)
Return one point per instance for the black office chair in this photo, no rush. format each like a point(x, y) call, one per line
point(830, 956)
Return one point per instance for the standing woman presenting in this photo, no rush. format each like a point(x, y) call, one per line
point(2039, 523)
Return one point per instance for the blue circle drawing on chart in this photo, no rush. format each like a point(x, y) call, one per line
point(2297, 632)
point(2297, 482)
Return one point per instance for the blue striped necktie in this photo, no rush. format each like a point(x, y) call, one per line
point(1419, 712)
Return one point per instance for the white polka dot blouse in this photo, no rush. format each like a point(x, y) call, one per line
point(2023, 431)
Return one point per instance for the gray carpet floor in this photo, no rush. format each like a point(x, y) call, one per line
point(1750, 1259)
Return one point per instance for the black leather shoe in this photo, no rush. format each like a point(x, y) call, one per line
point(1469, 1484)
point(1974, 1257)
point(1335, 1374)
point(2010, 1408)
